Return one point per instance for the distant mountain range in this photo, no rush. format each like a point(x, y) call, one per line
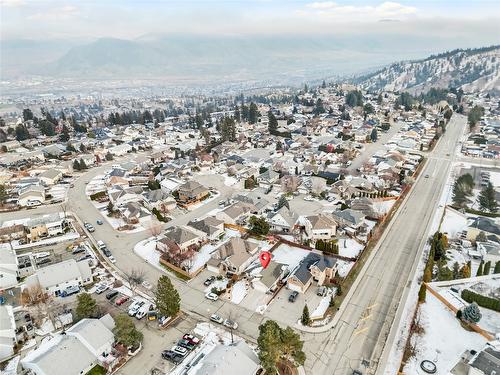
point(268, 59)
point(469, 69)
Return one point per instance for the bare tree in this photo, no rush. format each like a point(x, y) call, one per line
point(64, 208)
point(134, 278)
point(42, 303)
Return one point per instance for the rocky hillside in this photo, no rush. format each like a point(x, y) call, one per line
point(471, 70)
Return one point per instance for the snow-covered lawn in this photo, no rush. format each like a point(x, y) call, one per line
point(201, 257)
point(238, 292)
point(453, 256)
point(349, 247)
point(443, 340)
point(344, 267)
point(320, 310)
point(453, 223)
point(146, 249)
point(292, 256)
point(495, 178)
point(383, 207)
point(229, 181)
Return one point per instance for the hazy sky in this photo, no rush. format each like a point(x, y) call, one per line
point(474, 21)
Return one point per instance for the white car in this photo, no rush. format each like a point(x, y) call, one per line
point(146, 284)
point(216, 318)
point(308, 198)
point(112, 259)
point(135, 307)
point(212, 296)
point(101, 288)
point(180, 350)
point(230, 324)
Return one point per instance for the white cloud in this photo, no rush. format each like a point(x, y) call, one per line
point(12, 3)
point(385, 10)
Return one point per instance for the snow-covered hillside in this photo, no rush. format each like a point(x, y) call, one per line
point(472, 70)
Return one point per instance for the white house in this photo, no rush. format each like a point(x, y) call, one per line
point(31, 194)
point(50, 177)
point(86, 344)
point(7, 332)
point(56, 278)
point(283, 220)
point(8, 266)
point(120, 150)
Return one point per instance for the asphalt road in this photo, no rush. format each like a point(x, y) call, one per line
point(357, 341)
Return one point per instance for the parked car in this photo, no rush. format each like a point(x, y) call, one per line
point(216, 318)
point(120, 301)
point(77, 250)
point(39, 262)
point(107, 252)
point(101, 288)
point(111, 295)
point(186, 344)
point(322, 291)
point(212, 296)
point(112, 259)
point(230, 324)
point(163, 320)
point(191, 338)
point(135, 307)
point(293, 296)
point(209, 281)
point(172, 356)
point(180, 350)
point(99, 222)
point(89, 227)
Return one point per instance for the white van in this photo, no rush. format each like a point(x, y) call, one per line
point(135, 307)
point(143, 311)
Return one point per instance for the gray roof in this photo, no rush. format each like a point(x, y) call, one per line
point(488, 361)
point(303, 272)
point(209, 225)
point(94, 332)
point(486, 224)
point(179, 235)
point(59, 273)
point(350, 216)
point(51, 173)
point(237, 359)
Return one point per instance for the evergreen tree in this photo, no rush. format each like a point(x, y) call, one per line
point(276, 344)
point(259, 225)
point(167, 298)
point(253, 113)
point(475, 115)
point(487, 267)
point(471, 313)
point(86, 306)
point(125, 331)
point(305, 319)
point(487, 201)
point(109, 156)
point(374, 135)
point(27, 114)
point(76, 165)
point(273, 123)
point(497, 267)
point(83, 148)
point(83, 166)
point(480, 269)
point(422, 293)
point(3, 194)
point(379, 99)
point(47, 128)
point(456, 270)
point(237, 115)
point(64, 137)
point(22, 132)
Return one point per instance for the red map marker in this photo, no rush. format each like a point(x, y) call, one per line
point(265, 258)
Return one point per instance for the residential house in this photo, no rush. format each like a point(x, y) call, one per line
point(483, 224)
point(234, 359)
point(314, 267)
point(134, 213)
point(56, 278)
point(9, 266)
point(319, 227)
point(192, 192)
point(159, 199)
point(175, 238)
point(235, 255)
point(75, 351)
point(268, 178)
point(50, 177)
point(349, 220)
point(46, 226)
point(31, 194)
point(236, 213)
point(7, 332)
point(211, 227)
point(283, 220)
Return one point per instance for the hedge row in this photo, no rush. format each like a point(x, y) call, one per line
point(483, 301)
point(98, 195)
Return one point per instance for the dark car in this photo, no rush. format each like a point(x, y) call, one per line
point(43, 261)
point(186, 344)
point(107, 252)
point(111, 295)
point(293, 296)
point(171, 356)
point(209, 281)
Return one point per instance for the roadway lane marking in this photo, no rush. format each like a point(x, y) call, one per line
point(360, 331)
